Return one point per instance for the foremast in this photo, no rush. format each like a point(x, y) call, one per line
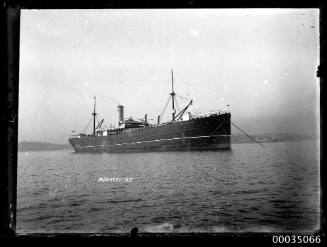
point(94, 115)
point(172, 95)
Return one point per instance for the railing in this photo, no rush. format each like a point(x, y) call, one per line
point(207, 114)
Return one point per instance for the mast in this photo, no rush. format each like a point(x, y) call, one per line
point(172, 95)
point(94, 114)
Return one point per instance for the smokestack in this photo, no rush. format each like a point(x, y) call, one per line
point(120, 114)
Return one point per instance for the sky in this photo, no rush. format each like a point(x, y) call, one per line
point(260, 62)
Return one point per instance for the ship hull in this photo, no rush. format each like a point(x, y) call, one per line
point(88, 144)
point(207, 133)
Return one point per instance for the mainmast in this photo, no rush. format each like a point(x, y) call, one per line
point(94, 114)
point(172, 95)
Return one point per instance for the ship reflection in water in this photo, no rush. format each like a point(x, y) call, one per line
point(183, 132)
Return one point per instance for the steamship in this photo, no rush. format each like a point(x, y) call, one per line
point(184, 132)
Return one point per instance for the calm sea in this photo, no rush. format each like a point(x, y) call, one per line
point(250, 188)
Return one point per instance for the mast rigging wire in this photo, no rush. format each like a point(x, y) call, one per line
point(177, 106)
point(183, 98)
point(87, 125)
point(161, 114)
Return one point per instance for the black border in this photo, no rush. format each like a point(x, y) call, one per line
point(10, 32)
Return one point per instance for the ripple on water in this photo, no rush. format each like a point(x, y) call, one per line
point(243, 190)
point(165, 227)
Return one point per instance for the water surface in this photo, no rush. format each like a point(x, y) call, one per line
point(250, 188)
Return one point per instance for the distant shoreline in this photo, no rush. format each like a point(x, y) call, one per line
point(41, 146)
point(235, 139)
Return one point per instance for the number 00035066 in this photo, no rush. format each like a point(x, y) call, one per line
point(296, 239)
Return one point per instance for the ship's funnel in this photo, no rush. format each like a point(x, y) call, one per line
point(120, 114)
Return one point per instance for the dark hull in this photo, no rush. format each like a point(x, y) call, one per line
point(208, 133)
point(90, 144)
